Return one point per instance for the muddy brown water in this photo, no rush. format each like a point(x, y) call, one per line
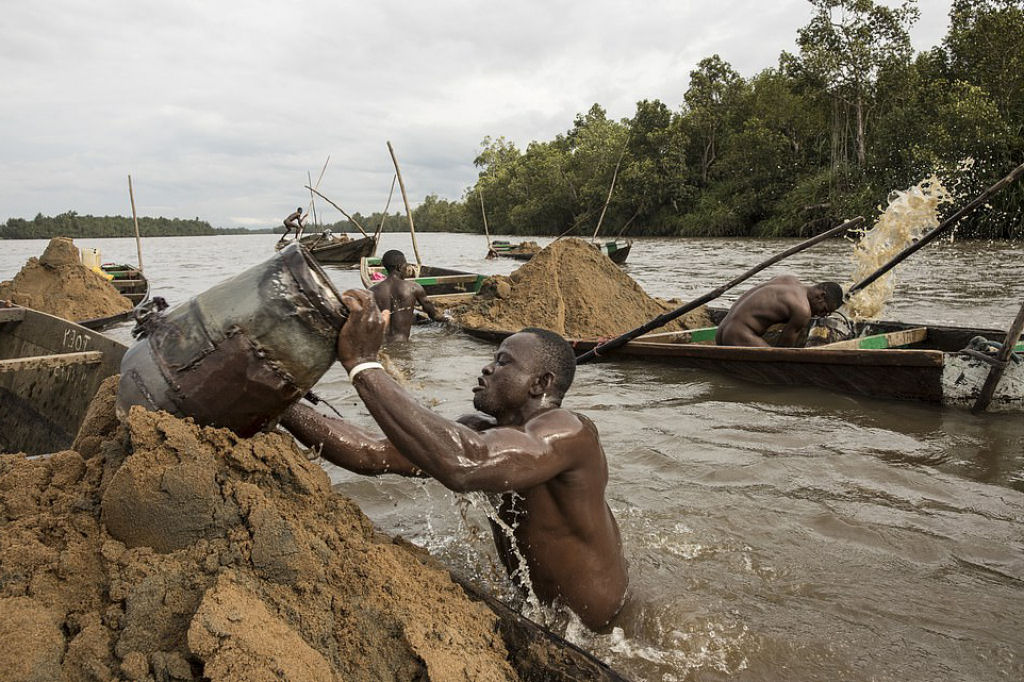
point(772, 533)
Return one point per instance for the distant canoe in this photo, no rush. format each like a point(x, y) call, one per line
point(50, 369)
point(616, 249)
point(892, 360)
point(130, 283)
point(333, 250)
point(444, 282)
point(506, 249)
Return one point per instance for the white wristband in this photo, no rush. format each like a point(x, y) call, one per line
point(363, 366)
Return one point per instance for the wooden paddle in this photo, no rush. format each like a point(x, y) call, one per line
point(935, 232)
point(662, 320)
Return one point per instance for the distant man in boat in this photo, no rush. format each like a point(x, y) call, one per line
point(543, 465)
point(781, 300)
point(293, 222)
point(398, 297)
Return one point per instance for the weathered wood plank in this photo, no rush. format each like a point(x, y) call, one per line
point(90, 357)
point(12, 314)
point(905, 337)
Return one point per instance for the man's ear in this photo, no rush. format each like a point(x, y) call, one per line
point(542, 384)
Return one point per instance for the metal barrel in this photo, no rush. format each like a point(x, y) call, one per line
point(238, 354)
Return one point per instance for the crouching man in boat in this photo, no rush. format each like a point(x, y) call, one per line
point(781, 300)
point(543, 464)
point(293, 222)
point(399, 297)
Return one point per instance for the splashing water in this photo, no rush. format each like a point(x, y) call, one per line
point(908, 216)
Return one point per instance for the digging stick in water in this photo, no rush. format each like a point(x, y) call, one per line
point(935, 232)
point(408, 211)
point(354, 221)
point(996, 373)
point(662, 320)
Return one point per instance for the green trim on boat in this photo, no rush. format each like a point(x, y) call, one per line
point(703, 334)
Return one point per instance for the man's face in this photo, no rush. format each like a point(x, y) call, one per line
point(504, 384)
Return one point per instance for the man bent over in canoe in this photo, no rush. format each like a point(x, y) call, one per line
point(543, 464)
point(293, 222)
point(781, 300)
point(399, 297)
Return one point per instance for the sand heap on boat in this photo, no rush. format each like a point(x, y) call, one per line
point(58, 283)
point(158, 550)
point(572, 288)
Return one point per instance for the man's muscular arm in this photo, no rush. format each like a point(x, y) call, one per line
point(460, 458)
point(346, 445)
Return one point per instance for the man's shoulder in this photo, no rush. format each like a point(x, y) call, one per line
point(561, 423)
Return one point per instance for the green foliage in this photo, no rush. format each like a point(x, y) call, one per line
point(70, 224)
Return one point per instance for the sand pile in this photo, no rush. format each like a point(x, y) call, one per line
point(573, 289)
point(58, 283)
point(157, 550)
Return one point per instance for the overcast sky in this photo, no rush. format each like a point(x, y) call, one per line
point(220, 109)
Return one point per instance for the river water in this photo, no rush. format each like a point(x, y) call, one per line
point(771, 533)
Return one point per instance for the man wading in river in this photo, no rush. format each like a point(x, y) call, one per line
point(399, 297)
point(545, 462)
point(780, 300)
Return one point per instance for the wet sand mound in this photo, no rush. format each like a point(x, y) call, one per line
point(58, 283)
point(573, 289)
point(155, 549)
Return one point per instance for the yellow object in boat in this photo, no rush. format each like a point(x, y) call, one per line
point(99, 271)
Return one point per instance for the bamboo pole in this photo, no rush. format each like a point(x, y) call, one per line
point(312, 206)
point(408, 211)
point(135, 219)
point(665, 318)
point(942, 227)
point(483, 212)
point(996, 373)
point(354, 221)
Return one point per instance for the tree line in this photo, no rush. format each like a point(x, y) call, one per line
point(825, 135)
point(70, 224)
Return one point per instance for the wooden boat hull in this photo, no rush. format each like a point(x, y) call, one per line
point(451, 284)
point(335, 252)
point(617, 250)
point(130, 283)
point(933, 371)
point(50, 369)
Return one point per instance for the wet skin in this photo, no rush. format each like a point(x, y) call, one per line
point(549, 457)
point(780, 300)
point(400, 297)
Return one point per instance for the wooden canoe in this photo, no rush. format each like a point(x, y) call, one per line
point(506, 249)
point(437, 282)
point(130, 283)
point(50, 369)
point(892, 360)
point(332, 250)
point(616, 249)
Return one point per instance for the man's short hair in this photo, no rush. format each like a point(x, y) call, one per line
point(555, 356)
point(392, 260)
point(833, 294)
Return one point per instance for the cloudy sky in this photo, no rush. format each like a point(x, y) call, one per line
point(220, 109)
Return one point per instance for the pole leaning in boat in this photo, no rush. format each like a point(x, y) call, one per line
point(999, 366)
point(135, 219)
point(408, 211)
point(662, 320)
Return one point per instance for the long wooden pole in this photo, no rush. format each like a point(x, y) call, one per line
point(312, 206)
point(483, 212)
point(665, 318)
point(135, 218)
point(354, 221)
point(942, 227)
point(380, 228)
point(996, 373)
point(405, 198)
point(608, 199)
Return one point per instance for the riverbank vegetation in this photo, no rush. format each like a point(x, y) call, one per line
point(70, 224)
point(791, 151)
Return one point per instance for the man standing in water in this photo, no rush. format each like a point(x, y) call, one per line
point(398, 296)
point(780, 300)
point(293, 222)
point(545, 463)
